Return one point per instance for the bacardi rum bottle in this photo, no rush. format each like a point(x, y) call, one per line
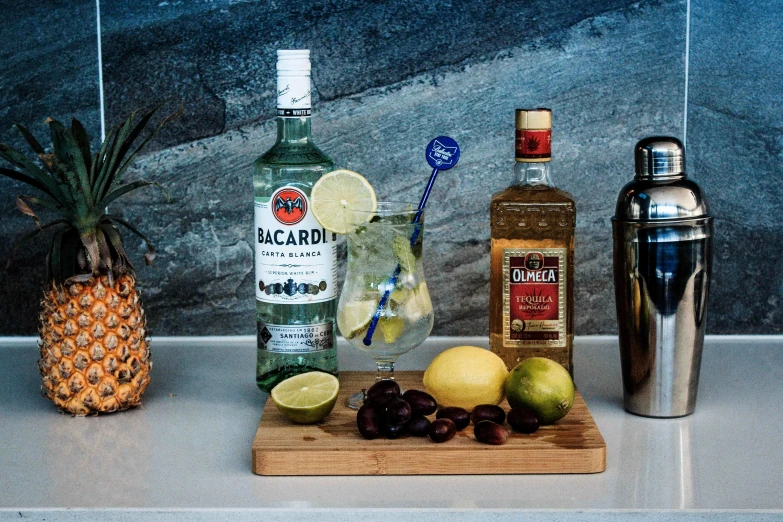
point(532, 254)
point(295, 258)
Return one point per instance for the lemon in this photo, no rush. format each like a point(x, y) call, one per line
point(391, 328)
point(355, 316)
point(400, 295)
point(306, 398)
point(543, 386)
point(337, 195)
point(466, 376)
point(418, 305)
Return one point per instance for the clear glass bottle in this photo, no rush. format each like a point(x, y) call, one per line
point(532, 254)
point(296, 259)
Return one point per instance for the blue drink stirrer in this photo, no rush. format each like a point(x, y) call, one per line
point(442, 154)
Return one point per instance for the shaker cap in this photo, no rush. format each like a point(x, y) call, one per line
point(661, 190)
point(659, 156)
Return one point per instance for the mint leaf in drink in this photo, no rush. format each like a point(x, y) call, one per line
point(403, 253)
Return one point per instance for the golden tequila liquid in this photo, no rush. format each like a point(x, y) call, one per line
point(532, 256)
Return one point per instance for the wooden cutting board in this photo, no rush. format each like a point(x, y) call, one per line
point(334, 447)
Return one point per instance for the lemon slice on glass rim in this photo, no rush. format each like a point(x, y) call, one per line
point(306, 398)
point(336, 196)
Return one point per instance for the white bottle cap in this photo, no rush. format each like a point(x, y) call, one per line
point(293, 60)
point(293, 83)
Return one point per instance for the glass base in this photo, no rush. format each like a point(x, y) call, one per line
point(355, 400)
point(385, 372)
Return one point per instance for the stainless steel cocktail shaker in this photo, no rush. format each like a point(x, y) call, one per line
point(662, 261)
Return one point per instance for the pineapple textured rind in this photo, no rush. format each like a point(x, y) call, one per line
point(95, 355)
point(94, 350)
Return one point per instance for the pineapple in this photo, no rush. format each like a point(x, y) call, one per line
point(95, 355)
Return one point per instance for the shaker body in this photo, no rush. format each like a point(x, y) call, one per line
point(662, 276)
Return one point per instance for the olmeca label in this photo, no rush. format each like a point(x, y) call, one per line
point(534, 300)
point(296, 258)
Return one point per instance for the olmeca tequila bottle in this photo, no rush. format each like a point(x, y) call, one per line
point(295, 258)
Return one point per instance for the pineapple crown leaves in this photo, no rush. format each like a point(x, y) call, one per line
point(79, 186)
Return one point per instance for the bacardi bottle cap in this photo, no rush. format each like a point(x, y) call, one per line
point(293, 83)
point(293, 60)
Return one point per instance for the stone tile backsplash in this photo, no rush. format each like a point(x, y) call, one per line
point(388, 77)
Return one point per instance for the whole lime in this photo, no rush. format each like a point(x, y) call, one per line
point(543, 386)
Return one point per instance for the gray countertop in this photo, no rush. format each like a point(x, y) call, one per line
point(186, 453)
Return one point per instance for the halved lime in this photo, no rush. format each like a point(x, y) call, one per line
point(337, 195)
point(354, 317)
point(419, 305)
point(306, 398)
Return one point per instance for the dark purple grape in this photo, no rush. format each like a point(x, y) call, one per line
point(418, 426)
point(381, 393)
point(523, 420)
point(488, 412)
point(398, 411)
point(368, 422)
point(442, 430)
point(490, 432)
point(459, 416)
point(391, 431)
point(422, 403)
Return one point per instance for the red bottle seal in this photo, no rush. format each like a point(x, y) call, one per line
point(534, 144)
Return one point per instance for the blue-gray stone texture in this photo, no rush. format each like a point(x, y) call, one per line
point(387, 77)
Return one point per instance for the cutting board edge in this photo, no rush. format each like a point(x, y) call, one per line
point(379, 463)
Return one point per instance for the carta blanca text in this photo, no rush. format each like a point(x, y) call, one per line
point(272, 253)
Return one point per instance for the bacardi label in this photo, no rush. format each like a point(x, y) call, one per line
point(534, 297)
point(296, 338)
point(296, 258)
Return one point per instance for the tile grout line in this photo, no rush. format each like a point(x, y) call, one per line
point(687, 60)
point(100, 68)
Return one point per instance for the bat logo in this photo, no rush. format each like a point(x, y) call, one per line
point(289, 206)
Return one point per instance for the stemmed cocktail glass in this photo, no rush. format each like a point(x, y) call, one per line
point(385, 308)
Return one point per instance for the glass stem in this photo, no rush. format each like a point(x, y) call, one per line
point(385, 371)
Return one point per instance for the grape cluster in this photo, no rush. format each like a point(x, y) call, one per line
point(388, 413)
